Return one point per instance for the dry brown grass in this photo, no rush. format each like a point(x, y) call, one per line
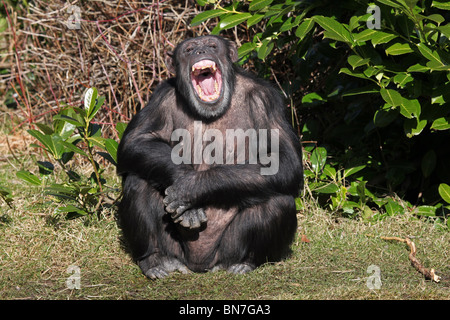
point(120, 48)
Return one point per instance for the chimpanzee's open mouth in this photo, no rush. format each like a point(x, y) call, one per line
point(207, 80)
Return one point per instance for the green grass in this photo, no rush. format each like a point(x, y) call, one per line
point(37, 247)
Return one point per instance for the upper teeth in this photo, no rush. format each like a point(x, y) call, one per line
point(198, 69)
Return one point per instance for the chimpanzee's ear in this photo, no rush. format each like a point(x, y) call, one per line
point(170, 63)
point(232, 49)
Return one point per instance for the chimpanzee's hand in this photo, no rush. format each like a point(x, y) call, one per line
point(192, 218)
point(181, 211)
point(173, 204)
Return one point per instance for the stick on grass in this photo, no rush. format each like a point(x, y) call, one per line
point(430, 274)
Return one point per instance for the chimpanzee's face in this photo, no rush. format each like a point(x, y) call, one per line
point(201, 56)
point(205, 73)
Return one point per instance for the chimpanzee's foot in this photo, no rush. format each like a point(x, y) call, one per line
point(157, 267)
point(241, 268)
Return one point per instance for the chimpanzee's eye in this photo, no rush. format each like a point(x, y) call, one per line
point(188, 49)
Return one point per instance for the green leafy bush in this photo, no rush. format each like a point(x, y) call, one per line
point(370, 83)
point(73, 132)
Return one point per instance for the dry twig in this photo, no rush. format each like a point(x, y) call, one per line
point(430, 274)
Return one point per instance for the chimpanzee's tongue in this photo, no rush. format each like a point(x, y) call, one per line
point(206, 82)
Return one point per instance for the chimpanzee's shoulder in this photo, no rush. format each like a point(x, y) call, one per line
point(162, 94)
point(254, 82)
point(164, 88)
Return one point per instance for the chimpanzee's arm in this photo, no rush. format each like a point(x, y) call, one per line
point(142, 151)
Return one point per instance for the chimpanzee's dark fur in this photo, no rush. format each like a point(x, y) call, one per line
point(203, 217)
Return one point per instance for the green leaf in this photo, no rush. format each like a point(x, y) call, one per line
point(299, 204)
point(442, 4)
point(381, 37)
point(312, 97)
point(52, 143)
point(418, 68)
point(430, 55)
point(304, 28)
point(203, 16)
point(356, 61)
point(120, 127)
point(28, 177)
point(63, 127)
point(361, 190)
point(57, 188)
point(76, 122)
point(42, 138)
point(74, 148)
point(328, 188)
point(259, 4)
point(90, 98)
point(279, 15)
point(112, 146)
point(45, 167)
point(401, 79)
point(436, 18)
point(413, 127)
point(44, 128)
point(410, 108)
point(427, 211)
point(71, 208)
point(234, 20)
point(393, 208)
point(365, 35)
point(441, 124)
point(97, 140)
point(318, 159)
point(389, 3)
point(391, 96)
point(333, 29)
point(289, 24)
point(350, 171)
point(273, 10)
point(67, 130)
point(444, 192)
point(265, 49)
point(93, 111)
point(445, 29)
point(399, 49)
point(254, 19)
point(245, 49)
point(409, 3)
point(329, 171)
point(355, 22)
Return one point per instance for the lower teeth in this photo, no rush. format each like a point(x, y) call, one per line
point(210, 97)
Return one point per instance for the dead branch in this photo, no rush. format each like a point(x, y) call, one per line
point(430, 274)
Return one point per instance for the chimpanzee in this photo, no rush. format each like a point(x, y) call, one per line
point(210, 168)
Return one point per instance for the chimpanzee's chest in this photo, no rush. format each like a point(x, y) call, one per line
point(204, 144)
